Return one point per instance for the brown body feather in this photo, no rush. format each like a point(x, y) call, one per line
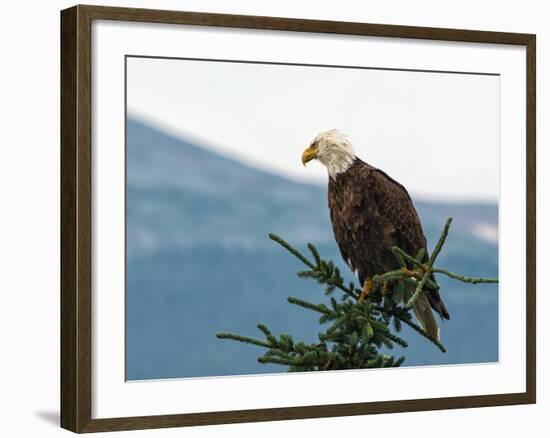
point(371, 213)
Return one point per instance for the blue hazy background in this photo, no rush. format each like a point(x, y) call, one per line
point(199, 262)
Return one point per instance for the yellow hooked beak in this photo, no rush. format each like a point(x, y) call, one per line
point(309, 154)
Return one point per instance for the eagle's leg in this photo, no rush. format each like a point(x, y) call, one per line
point(367, 287)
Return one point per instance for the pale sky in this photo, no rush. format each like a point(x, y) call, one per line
point(436, 133)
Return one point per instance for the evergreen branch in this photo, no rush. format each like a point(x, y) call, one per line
point(244, 339)
point(291, 250)
point(263, 328)
point(421, 331)
point(402, 274)
point(399, 361)
point(377, 362)
point(429, 266)
point(356, 330)
point(346, 290)
point(420, 255)
point(324, 272)
point(440, 242)
point(398, 252)
point(321, 308)
point(314, 253)
point(397, 339)
point(473, 280)
point(392, 275)
point(418, 290)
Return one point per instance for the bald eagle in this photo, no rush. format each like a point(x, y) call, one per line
point(370, 213)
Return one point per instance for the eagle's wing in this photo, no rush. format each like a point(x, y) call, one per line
point(395, 204)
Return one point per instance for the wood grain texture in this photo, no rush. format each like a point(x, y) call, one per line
point(69, 330)
point(531, 216)
point(76, 189)
point(301, 25)
point(76, 222)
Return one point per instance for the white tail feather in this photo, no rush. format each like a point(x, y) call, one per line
point(425, 316)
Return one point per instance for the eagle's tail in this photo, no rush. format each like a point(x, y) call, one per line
point(423, 312)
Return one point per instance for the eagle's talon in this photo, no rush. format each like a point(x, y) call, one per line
point(367, 287)
point(408, 272)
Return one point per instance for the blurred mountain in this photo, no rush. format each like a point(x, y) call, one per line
point(199, 262)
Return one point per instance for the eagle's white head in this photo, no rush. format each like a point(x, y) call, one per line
point(333, 149)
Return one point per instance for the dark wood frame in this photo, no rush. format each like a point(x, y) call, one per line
point(76, 226)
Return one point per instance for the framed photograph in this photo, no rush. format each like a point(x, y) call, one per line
point(261, 213)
